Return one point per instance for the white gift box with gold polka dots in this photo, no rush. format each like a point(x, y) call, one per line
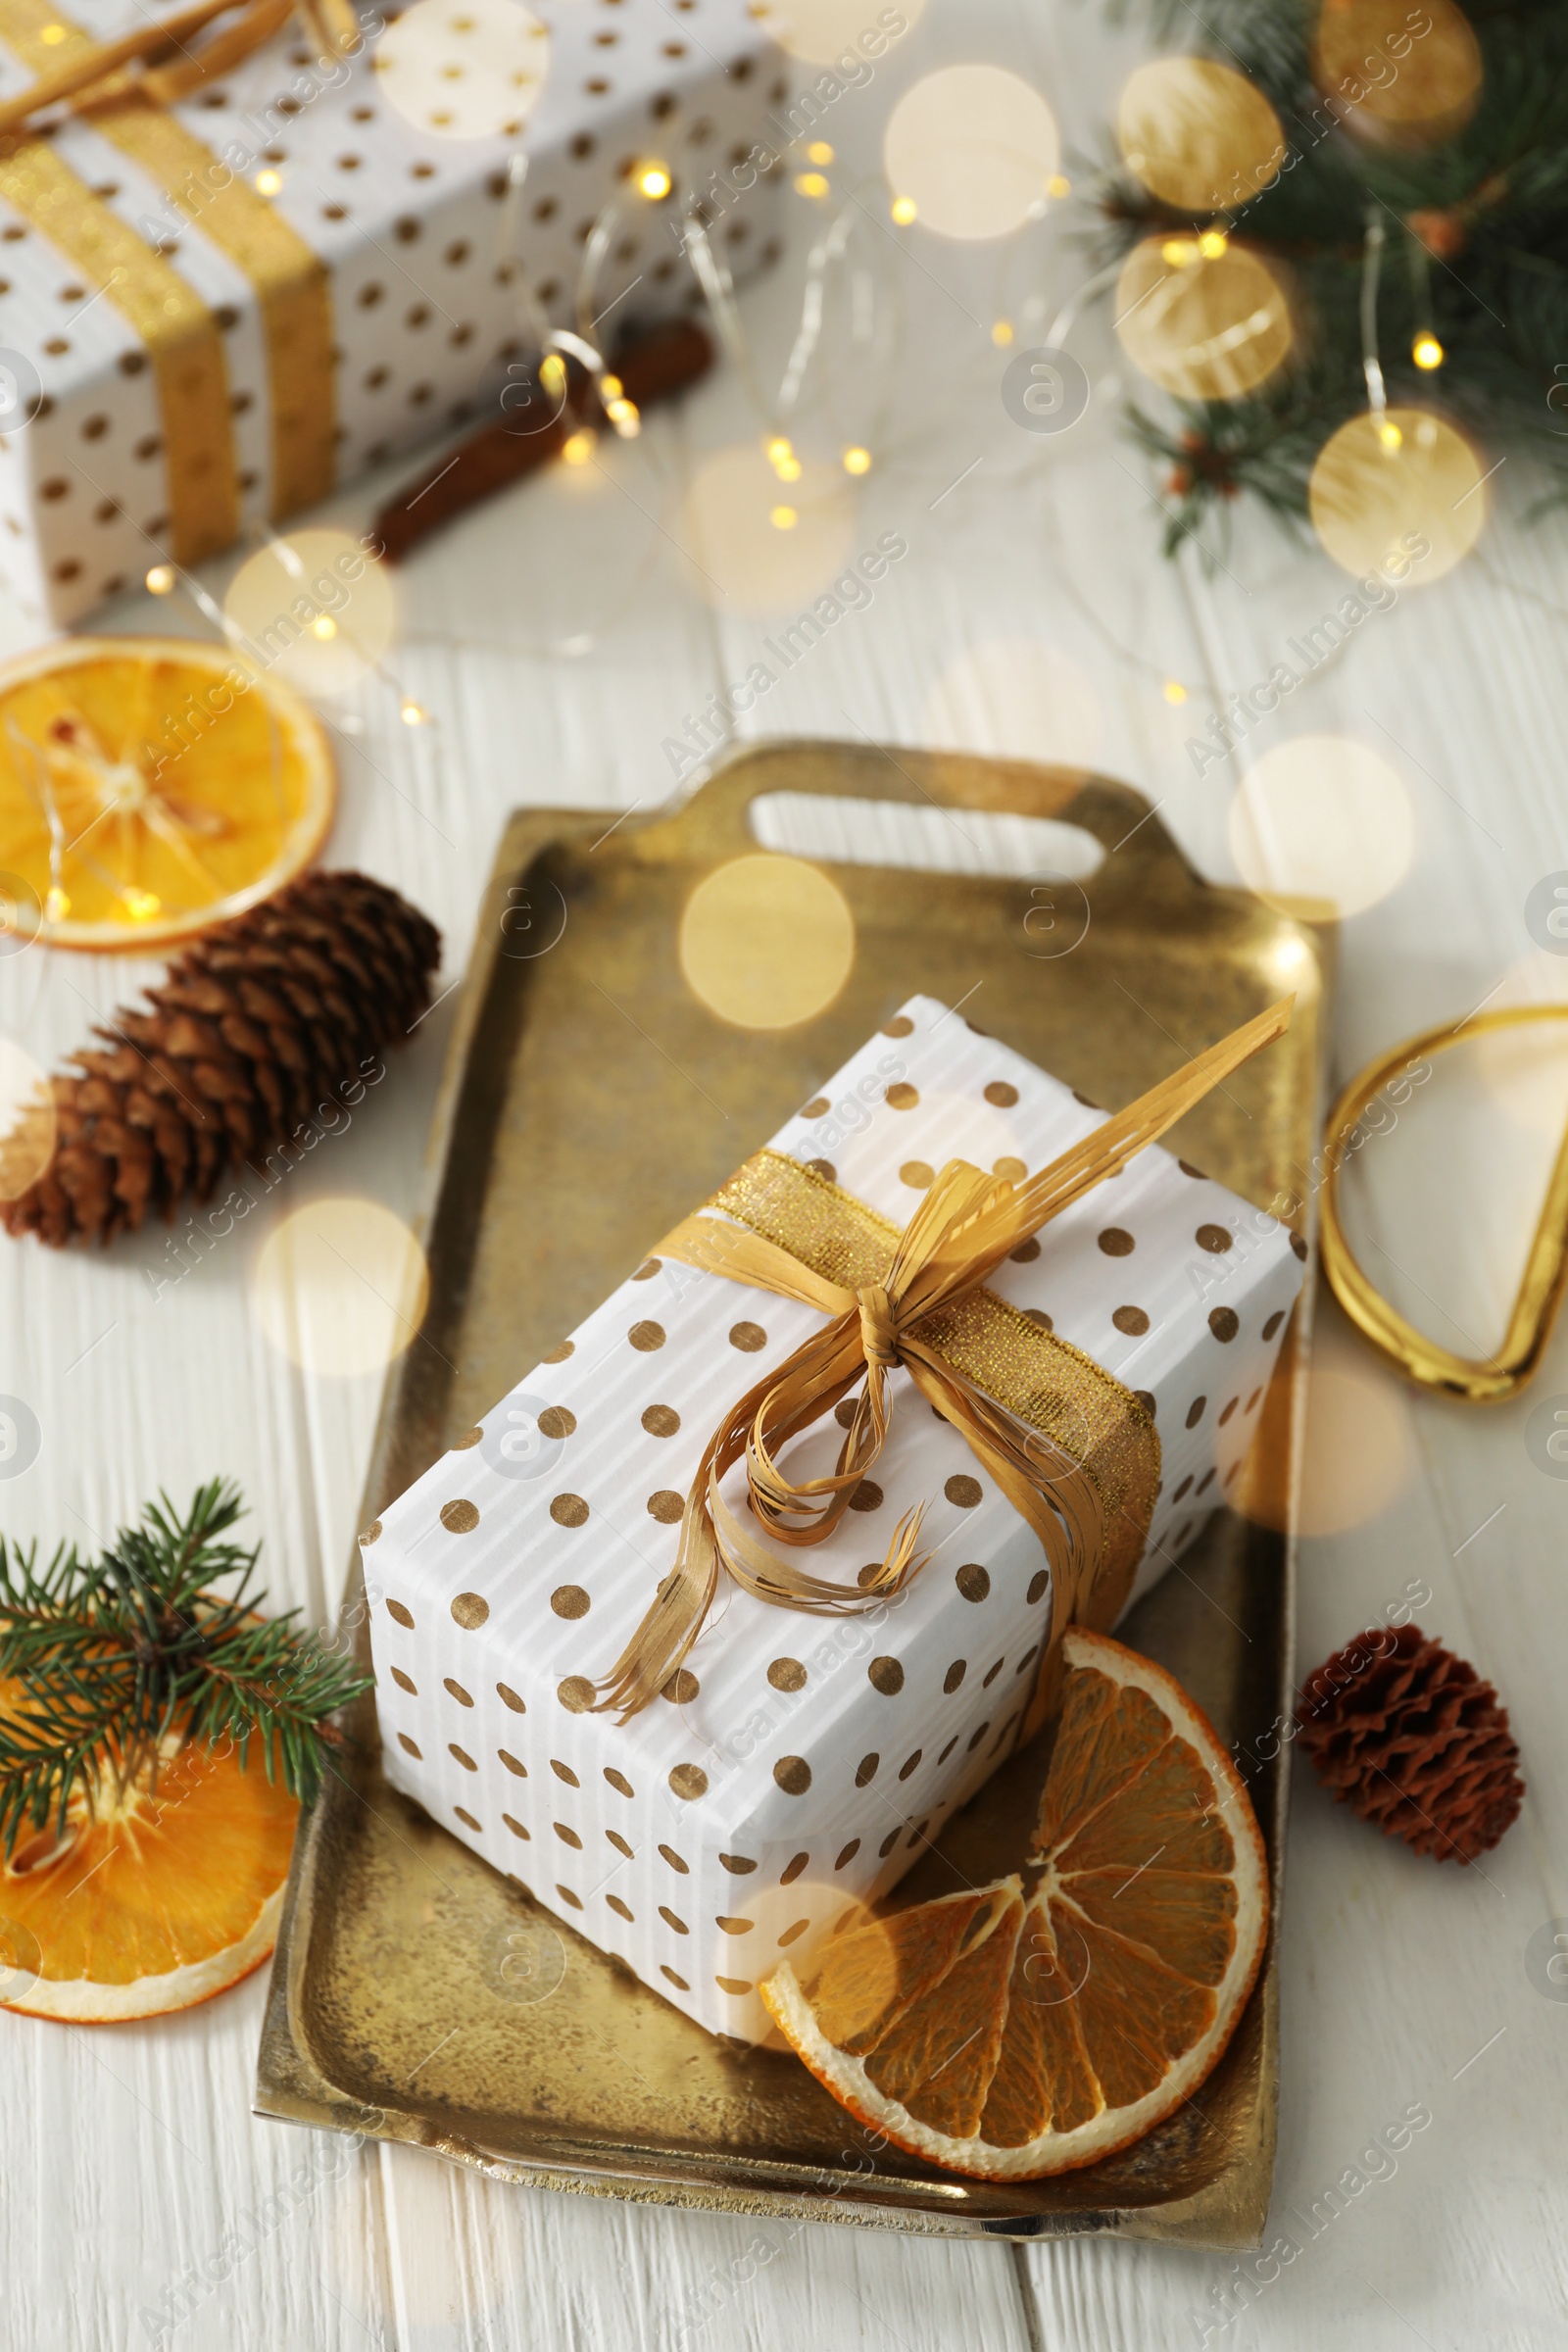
point(797, 1761)
point(111, 233)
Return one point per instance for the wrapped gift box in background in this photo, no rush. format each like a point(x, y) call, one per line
point(796, 1761)
point(239, 301)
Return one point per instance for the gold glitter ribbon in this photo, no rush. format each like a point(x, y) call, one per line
point(171, 320)
point(181, 334)
point(1074, 1451)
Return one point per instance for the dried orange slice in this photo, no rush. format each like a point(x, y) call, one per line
point(153, 1900)
point(148, 787)
point(1042, 2022)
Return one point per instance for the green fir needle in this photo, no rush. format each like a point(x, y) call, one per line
point(119, 1655)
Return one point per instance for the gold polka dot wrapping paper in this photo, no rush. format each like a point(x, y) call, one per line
point(796, 1764)
point(238, 300)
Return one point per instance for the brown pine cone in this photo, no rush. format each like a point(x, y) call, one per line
point(257, 1028)
point(1410, 1735)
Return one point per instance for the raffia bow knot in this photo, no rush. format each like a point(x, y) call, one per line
point(876, 1328)
point(1071, 1448)
point(879, 1329)
point(96, 72)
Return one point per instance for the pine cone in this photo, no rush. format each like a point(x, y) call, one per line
point(1410, 1735)
point(259, 1023)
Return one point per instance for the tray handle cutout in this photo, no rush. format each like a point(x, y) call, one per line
point(1138, 860)
point(924, 837)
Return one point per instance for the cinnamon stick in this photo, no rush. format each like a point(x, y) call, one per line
point(653, 366)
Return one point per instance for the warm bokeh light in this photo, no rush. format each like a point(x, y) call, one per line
point(20, 914)
point(1381, 486)
point(1197, 133)
point(653, 182)
point(469, 73)
point(1434, 87)
point(578, 447)
point(160, 579)
point(1203, 325)
point(855, 460)
point(1427, 352)
point(973, 148)
point(314, 610)
point(831, 1913)
point(1017, 697)
point(821, 30)
point(766, 941)
point(1359, 1450)
point(340, 1286)
point(27, 1121)
point(1525, 1071)
point(269, 182)
point(1321, 826)
point(752, 551)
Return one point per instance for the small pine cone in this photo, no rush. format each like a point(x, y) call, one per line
point(1409, 1734)
point(257, 1024)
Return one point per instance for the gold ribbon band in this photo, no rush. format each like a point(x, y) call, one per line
point(181, 334)
point(172, 322)
point(1073, 1451)
point(290, 283)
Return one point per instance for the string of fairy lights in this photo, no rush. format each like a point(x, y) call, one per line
point(972, 155)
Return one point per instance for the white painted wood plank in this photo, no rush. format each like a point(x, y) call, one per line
point(481, 2265)
point(146, 2206)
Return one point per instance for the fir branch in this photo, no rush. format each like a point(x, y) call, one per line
point(1478, 253)
point(120, 1656)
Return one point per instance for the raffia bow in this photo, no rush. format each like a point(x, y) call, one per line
point(111, 68)
point(916, 1301)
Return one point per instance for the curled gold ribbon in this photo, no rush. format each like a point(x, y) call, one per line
point(1074, 1451)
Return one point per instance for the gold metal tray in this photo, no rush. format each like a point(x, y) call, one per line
point(580, 1049)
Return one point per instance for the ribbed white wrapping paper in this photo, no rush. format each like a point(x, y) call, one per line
point(800, 1762)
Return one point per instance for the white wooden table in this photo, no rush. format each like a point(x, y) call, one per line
point(130, 2154)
